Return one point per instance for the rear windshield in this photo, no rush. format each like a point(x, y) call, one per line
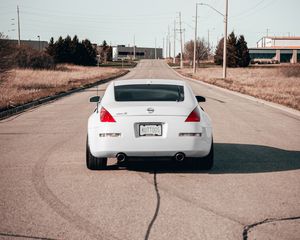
point(149, 92)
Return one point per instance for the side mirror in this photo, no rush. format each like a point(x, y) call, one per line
point(95, 99)
point(200, 99)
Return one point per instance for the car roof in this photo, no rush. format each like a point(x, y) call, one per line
point(148, 81)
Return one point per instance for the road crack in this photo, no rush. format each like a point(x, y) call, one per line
point(247, 228)
point(157, 207)
point(24, 236)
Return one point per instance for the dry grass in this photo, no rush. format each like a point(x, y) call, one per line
point(26, 85)
point(276, 84)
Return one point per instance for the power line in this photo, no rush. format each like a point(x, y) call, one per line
point(42, 12)
point(249, 11)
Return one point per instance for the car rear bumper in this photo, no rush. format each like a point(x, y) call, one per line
point(150, 146)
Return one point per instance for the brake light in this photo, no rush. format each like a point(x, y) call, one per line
point(105, 116)
point(194, 116)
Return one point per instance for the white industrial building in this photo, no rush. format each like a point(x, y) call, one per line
point(273, 42)
point(122, 52)
point(279, 49)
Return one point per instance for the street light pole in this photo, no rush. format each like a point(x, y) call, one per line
point(169, 42)
point(155, 50)
point(195, 39)
point(19, 37)
point(133, 47)
point(225, 41)
point(163, 48)
point(174, 51)
point(225, 34)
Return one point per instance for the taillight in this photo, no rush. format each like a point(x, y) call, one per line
point(105, 116)
point(194, 116)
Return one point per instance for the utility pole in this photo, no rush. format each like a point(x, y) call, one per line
point(167, 37)
point(169, 42)
point(180, 31)
point(170, 47)
point(19, 37)
point(155, 50)
point(167, 46)
point(163, 47)
point(195, 40)
point(133, 47)
point(174, 51)
point(208, 39)
point(225, 41)
point(183, 42)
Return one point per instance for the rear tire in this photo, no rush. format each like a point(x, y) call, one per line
point(205, 163)
point(208, 161)
point(94, 163)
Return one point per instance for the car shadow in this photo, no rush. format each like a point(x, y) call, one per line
point(229, 158)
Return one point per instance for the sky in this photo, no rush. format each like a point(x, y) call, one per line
point(147, 21)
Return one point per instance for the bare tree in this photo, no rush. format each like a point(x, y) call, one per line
point(202, 50)
point(6, 62)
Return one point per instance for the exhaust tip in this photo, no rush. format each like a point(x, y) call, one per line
point(121, 157)
point(179, 157)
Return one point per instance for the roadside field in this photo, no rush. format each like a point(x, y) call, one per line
point(26, 85)
point(280, 84)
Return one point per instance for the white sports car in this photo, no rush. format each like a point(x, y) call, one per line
point(149, 118)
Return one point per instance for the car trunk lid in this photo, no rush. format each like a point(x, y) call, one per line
point(119, 109)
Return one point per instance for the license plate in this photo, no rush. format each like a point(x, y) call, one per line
point(150, 130)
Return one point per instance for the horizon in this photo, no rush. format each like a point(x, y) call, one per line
point(122, 23)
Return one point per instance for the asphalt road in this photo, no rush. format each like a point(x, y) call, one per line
point(48, 193)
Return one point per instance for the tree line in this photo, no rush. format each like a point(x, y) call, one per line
point(67, 50)
point(71, 50)
point(64, 50)
point(237, 51)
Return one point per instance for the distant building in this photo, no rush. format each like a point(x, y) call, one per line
point(121, 52)
point(276, 49)
point(278, 42)
point(35, 44)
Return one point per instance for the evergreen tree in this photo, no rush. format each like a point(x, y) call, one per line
point(104, 44)
point(90, 53)
point(67, 50)
point(51, 47)
point(232, 58)
point(232, 55)
point(243, 52)
point(58, 54)
point(218, 58)
point(75, 50)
